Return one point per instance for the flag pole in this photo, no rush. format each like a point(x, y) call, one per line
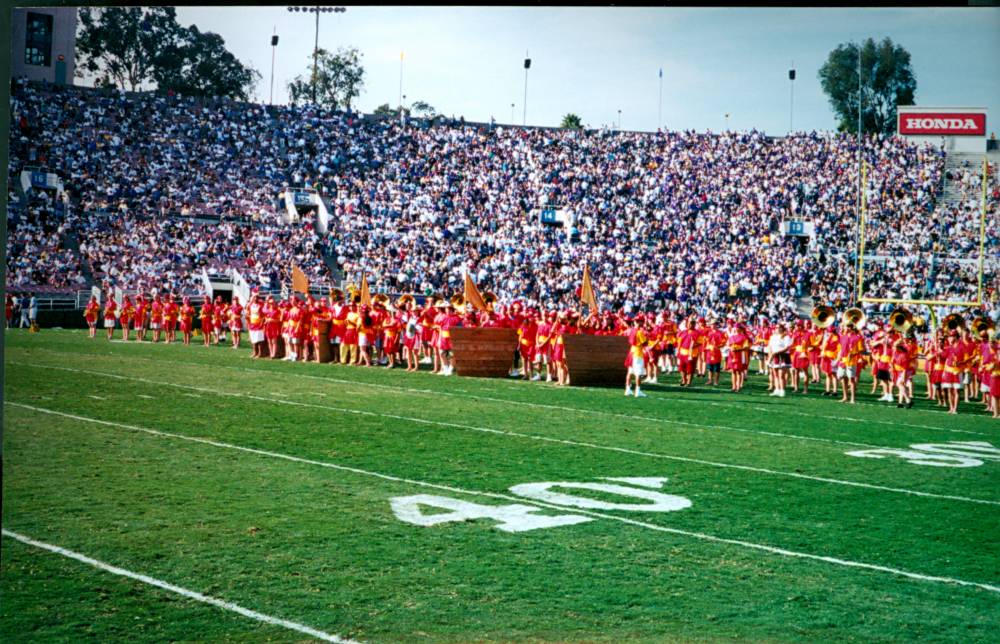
point(659, 110)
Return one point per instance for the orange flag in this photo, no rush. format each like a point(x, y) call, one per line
point(366, 296)
point(300, 282)
point(587, 295)
point(472, 295)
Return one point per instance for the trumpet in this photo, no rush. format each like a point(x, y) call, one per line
point(901, 320)
point(953, 322)
point(854, 318)
point(983, 324)
point(823, 316)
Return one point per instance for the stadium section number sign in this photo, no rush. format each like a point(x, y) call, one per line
point(951, 454)
point(640, 491)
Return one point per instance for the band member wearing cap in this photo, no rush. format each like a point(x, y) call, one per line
point(255, 324)
point(220, 320)
point(800, 357)
point(994, 371)
point(272, 326)
point(445, 323)
point(110, 311)
point(815, 351)
point(904, 356)
point(366, 336)
point(828, 360)
point(141, 321)
point(738, 360)
point(186, 314)
point(349, 343)
point(170, 313)
point(125, 315)
point(634, 361)
point(205, 315)
point(687, 352)
point(90, 314)
point(156, 317)
point(392, 327)
point(558, 350)
point(714, 340)
point(528, 335)
point(852, 345)
point(779, 347)
point(411, 336)
point(951, 378)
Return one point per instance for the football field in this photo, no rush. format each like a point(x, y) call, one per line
point(156, 493)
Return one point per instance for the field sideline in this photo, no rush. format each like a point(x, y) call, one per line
point(183, 493)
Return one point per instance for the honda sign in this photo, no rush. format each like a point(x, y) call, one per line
point(943, 123)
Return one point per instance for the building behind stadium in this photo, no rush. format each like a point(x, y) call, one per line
point(43, 44)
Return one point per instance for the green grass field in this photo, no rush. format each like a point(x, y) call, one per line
point(279, 488)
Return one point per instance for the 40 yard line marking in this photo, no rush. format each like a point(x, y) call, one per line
point(541, 504)
point(536, 437)
point(177, 590)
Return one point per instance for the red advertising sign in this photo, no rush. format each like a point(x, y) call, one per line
point(946, 123)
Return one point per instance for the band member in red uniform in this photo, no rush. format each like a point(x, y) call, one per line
point(447, 321)
point(186, 319)
point(349, 343)
point(800, 357)
point(170, 315)
point(90, 314)
point(852, 345)
point(738, 360)
point(272, 326)
point(220, 320)
point(903, 360)
point(110, 311)
point(207, 317)
point(392, 327)
point(338, 323)
point(994, 371)
point(634, 362)
point(951, 380)
point(528, 335)
point(255, 324)
point(8, 312)
point(141, 321)
point(156, 317)
point(687, 352)
point(236, 321)
point(714, 340)
point(558, 351)
point(126, 314)
point(828, 359)
point(411, 336)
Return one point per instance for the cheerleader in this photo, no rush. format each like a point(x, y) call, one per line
point(206, 316)
point(125, 315)
point(156, 317)
point(186, 320)
point(236, 321)
point(391, 329)
point(411, 337)
point(738, 360)
point(272, 326)
point(141, 321)
point(255, 324)
point(781, 359)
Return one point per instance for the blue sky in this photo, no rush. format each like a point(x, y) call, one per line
point(467, 61)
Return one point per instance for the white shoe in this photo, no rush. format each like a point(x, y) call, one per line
point(781, 394)
point(639, 394)
point(548, 378)
point(515, 372)
point(425, 361)
point(536, 378)
point(773, 393)
point(628, 391)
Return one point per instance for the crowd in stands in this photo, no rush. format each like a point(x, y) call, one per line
point(676, 220)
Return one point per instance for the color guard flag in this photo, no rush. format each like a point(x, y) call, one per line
point(300, 282)
point(472, 295)
point(587, 295)
point(366, 296)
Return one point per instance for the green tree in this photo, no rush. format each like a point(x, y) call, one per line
point(571, 122)
point(198, 64)
point(338, 79)
point(886, 81)
point(120, 46)
point(384, 111)
point(423, 108)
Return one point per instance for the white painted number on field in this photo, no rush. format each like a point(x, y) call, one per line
point(951, 454)
point(521, 518)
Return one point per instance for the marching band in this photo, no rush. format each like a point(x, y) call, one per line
point(961, 361)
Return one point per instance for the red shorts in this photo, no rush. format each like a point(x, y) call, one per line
point(995, 385)
point(527, 352)
point(685, 365)
point(826, 366)
point(800, 362)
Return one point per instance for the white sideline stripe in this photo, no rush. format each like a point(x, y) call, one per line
point(651, 419)
point(184, 592)
point(594, 411)
point(541, 504)
point(97, 397)
point(547, 439)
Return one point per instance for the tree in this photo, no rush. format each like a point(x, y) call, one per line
point(198, 64)
point(121, 46)
point(423, 108)
point(339, 78)
point(887, 81)
point(571, 122)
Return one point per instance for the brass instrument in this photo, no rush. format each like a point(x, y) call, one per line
point(953, 322)
point(489, 298)
point(458, 301)
point(983, 324)
point(823, 316)
point(901, 320)
point(405, 300)
point(336, 295)
point(854, 317)
point(381, 298)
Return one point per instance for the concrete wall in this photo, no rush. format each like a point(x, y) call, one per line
point(63, 44)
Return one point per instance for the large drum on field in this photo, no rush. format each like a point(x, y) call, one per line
point(483, 353)
point(596, 359)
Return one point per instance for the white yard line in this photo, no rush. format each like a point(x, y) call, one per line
point(650, 419)
point(656, 396)
point(536, 437)
point(178, 590)
point(542, 504)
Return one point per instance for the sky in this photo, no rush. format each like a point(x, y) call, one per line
point(593, 62)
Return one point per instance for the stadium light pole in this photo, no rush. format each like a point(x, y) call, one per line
point(659, 108)
point(317, 11)
point(527, 66)
point(857, 233)
point(619, 119)
point(512, 114)
point(727, 121)
point(791, 100)
point(274, 48)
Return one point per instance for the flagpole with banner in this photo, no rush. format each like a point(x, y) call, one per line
point(366, 296)
point(587, 295)
point(659, 111)
point(472, 295)
point(300, 283)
